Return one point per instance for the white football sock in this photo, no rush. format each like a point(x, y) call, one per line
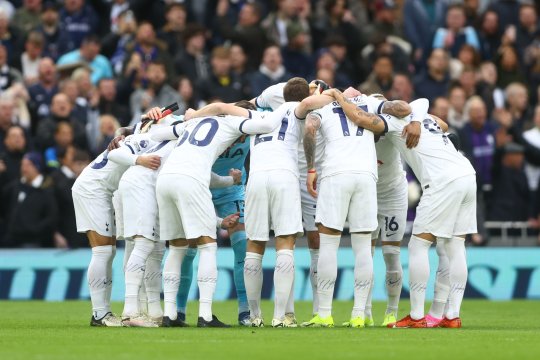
point(206, 279)
point(143, 300)
point(327, 272)
point(110, 277)
point(418, 274)
point(313, 278)
point(134, 273)
point(283, 281)
point(363, 272)
point(98, 279)
point(127, 252)
point(152, 280)
point(442, 281)
point(171, 278)
point(367, 310)
point(253, 278)
point(455, 249)
point(394, 276)
point(289, 309)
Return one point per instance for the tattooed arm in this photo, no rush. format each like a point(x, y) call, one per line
point(358, 116)
point(397, 108)
point(313, 123)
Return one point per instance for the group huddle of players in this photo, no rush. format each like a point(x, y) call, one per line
point(318, 157)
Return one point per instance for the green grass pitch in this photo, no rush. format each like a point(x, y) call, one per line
point(492, 330)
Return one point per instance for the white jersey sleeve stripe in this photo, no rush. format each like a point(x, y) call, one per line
point(385, 124)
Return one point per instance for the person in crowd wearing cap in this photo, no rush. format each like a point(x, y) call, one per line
point(29, 207)
point(296, 61)
point(56, 39)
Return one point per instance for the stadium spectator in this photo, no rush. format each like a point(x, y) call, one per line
point(508, 12)
point(79, 20)
point(402, 88)
point(79, 108)
point(510, 196)
point(420, 20)
point(72, 162)
point(381, 79)
point(385, 21)
point(489, 34)
point(28, 206)
point(149, 49)
point(187, 92)
point(456, 33)
point(60, 112)
point(117, 8)
point(457, 117)
point(477, 139)
point(337, 20)
point(239, 67)
point(158, 93)
point(434, 81)
point(113, 45)
point(10, 37)
point(337, 46)
point(517, 100)
point(8, 74)
point(6, 118)
point(57, 40)
point(508, 68)
point(276, 23)
point(295, 60)
point(222, 84)
point(173, 31)
point(440, 107)
point(467, 80)
point(247, 32)
point(270, 72)
point(11, 156)
point(527, 29)
point(325, 60)
point(28, 17)
point(106, 102)
point(532, 171)
point(63, 138)
point(31, 57)
point(42, 92)
point(88, 54)
point(487, 88)
point(193, 61)
point(7, 7)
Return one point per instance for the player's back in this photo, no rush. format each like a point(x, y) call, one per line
point(278, 150)
point(390, 168)
point(349, 148)
point(435, 161)
point(100, 177)
point(200, 144)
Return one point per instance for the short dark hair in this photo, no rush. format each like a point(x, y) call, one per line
point(89, 39)
point(296, 89)
point(245, 104)
point(193, 30)
point(158, 63)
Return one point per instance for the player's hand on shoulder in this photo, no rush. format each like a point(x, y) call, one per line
point(236, 175)
point(412, 134)
point(189, 114)
point(115, 143)
point(149, 161)
point(230, 221)
point(154, 113)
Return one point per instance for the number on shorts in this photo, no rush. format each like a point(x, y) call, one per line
point(343, 121)
point(281, 135)
point(391, 225)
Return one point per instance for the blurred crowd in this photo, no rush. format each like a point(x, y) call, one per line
point(72, 72)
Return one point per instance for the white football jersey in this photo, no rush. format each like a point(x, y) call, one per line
point(101, 176)
point(200, 144)
point(277, 150)
point(349, 148)
point(389, 165)
point(271, 98)
point(435, 161)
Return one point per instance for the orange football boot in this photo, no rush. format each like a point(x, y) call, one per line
point(408, 322)
point(450, 323)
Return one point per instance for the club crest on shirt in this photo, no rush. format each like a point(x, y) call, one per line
point(143, 143)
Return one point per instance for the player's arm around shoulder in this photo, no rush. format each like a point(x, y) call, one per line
point(366, 120)
point(311, 103)
point(312, 125)
point(215, 109)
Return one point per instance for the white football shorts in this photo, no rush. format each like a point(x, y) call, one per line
point(94, 214)
point(392, 203)
point(140, 210)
